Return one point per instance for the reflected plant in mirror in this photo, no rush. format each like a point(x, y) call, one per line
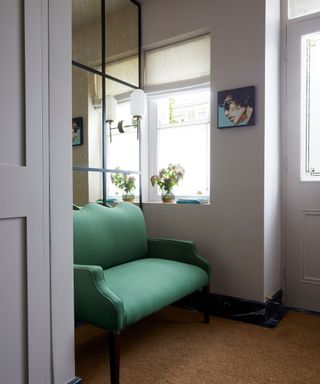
point(126, 183)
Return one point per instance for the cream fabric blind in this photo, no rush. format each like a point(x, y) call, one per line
point(176, 65)
point(124, 69)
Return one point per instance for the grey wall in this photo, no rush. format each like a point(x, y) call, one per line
point(229, 232)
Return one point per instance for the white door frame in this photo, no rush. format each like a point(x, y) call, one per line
point(37, 338)
point(60, 193)
point(284, 139)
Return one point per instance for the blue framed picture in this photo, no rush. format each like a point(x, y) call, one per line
point(77, 131)
point(236, 107)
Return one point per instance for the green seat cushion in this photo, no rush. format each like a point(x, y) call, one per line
point(145, 286)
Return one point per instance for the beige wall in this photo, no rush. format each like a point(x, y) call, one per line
point(229, 232)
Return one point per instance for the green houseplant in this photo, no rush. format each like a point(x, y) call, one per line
point(126, 183)
point(167, 179)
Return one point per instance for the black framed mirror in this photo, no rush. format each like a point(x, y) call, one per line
point(106, 61)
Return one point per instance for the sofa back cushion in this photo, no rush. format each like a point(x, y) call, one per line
point(109, 236)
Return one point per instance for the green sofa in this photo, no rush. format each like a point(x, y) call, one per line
point(121, 276)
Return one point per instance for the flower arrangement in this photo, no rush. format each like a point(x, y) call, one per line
point(167, 179)
point(126, 183)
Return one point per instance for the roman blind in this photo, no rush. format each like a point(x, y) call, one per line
point(177, 65)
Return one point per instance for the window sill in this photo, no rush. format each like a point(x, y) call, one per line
point(174, 204)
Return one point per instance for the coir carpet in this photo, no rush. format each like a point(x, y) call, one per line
point(173, 346)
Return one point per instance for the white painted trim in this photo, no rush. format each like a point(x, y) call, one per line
point(36, 88)
point(300, 19)
point(177, 87)
point(303, 214)
point(152, 146)
point(60, 168)
point(176, 39)
point(283, 122)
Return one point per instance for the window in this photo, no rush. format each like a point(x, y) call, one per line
point(177, 79)
point(310, 46)
point(298, 8)
point(179, 126)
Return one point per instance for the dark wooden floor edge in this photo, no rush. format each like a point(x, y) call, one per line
point(266, 314)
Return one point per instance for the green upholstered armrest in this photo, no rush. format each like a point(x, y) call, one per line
point(94, 301)
point(177, 250)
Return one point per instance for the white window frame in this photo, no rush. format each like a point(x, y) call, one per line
point(153, 148)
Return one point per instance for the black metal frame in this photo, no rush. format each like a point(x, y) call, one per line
point(104, 169)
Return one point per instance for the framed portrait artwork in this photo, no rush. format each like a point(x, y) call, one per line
point(236, 107)
point(77, 131)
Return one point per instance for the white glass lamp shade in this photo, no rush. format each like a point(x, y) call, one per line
point(137, 102)
point(111, 108)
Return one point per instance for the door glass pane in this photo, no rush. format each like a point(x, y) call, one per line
point(122, 40)
point(299, 8)
point(86, 32)
point(87, 119)
point(310, 105)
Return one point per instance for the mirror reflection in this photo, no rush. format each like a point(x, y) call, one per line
point(87, 119)
point(121, 37)
point(87, 187)
point(86, 32)
point(122, 41)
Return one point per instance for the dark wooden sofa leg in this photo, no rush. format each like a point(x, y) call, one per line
point(114, 357)
point(206, 311)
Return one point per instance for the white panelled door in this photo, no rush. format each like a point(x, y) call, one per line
point(24, 270)
point(303, 171)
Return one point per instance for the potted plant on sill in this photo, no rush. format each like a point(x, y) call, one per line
point(167, 179)
point(126, 183)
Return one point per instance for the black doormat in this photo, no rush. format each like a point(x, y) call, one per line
point(266, 314)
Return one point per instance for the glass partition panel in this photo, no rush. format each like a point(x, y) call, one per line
point(122, 40)
point(86, 32)
point(86, 119)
